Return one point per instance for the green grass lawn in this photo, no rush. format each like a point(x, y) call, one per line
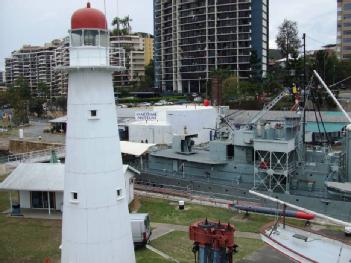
point(177, 245)
point(4, 197)
point(146, 256)
point(165, 211)
point(26, 240)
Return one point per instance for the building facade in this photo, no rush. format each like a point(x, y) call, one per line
point(2, 77)
point(138, 53)
point(36, 65)
point(344, 29)
point(148, 49)
point(195, 38)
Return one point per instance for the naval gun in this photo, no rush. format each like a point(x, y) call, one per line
point(184, 143)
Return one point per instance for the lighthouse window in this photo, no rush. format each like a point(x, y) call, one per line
point(119, 194)
point(74, 197)
point(103, 39)
point(77, 38)
point(91, 38)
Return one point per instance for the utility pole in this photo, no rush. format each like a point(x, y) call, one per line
point(304, 87)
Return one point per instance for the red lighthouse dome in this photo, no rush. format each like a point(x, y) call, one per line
point(88, 18)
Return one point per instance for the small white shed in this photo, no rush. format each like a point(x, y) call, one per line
point(40, 185)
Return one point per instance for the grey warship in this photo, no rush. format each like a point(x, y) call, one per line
point(268, 156)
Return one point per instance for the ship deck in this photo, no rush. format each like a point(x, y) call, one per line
point(199, 157)
point(339, 187)
point(305, 246)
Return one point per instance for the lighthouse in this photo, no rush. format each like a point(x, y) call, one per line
point(96, 225)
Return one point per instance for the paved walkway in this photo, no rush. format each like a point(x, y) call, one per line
point(161, 229)
point(160, 253)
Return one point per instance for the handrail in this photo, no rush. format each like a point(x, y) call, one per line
point(27, 156)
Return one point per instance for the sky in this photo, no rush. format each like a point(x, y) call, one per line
point(36, 22)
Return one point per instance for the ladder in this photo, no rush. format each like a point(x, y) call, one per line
point(269, 106)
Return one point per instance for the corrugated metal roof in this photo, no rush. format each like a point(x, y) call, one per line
point(36, 177)
point(135, 148)
point(46, 177)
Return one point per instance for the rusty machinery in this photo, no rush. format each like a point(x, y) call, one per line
point(213, 242)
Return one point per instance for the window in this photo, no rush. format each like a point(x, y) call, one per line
point(93, 113)
point(77, 38)
point(103, 39)
point(91, 38)
point(119, 194)
point(74, 197)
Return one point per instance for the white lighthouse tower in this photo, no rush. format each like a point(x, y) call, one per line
point(96, 226)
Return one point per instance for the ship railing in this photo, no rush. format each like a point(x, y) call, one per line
point(190, 192)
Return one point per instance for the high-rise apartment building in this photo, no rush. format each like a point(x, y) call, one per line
point(195, 38)
point(344, 29)
point(148, 49)
point(138, 53)
point(36, 65)
point(2, 77)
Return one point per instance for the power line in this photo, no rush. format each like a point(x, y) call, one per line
point(315, 40)
point(339, 82)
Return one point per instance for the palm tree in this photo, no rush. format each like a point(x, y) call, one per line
point(125, 21)
point(116, 22)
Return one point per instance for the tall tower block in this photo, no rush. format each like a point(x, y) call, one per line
point(96, 225)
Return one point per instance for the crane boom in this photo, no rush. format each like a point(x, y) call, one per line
point(269, 106)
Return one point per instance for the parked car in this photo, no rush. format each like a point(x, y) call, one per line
point(144, 104)
point(198, 99)
point(141, 229)
point(122, 106)
point(160, 103)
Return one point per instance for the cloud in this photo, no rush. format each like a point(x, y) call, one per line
point(316, 18)
point(38, 21)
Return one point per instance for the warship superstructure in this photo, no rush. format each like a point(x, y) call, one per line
point(269, 157)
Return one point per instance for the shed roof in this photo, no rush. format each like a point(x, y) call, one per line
point(135, 148)
point(46, 177)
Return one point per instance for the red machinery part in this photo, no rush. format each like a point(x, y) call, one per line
point(303, 215)
point(215, 236)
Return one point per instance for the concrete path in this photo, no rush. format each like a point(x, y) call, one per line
point(160, 253)
point(161, 229)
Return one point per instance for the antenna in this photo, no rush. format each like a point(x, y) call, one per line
point(108, 35)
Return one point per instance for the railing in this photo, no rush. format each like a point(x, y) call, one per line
point(33, 156)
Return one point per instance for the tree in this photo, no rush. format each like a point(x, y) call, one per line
point(149, 80)
point(126, 23)
point(230, 90)
point(36, 106)
point(288, 40)
point(19, 96)
point(256, 67)
point(61, 103)
point(43, 90)
point(123, 26)
point(325, 64)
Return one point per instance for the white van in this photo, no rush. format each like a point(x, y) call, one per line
point(141, 229)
